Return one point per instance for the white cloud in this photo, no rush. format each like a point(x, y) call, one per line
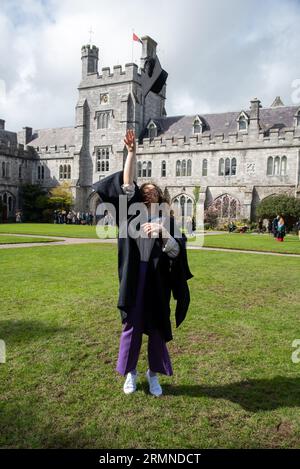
point(218, 54)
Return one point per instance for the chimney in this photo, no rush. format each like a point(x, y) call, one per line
point(2, 124)
point(254, 115)
point(148, 49)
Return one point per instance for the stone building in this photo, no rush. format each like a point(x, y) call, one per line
point(232, 160)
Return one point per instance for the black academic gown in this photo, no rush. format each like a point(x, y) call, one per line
point(164, 275)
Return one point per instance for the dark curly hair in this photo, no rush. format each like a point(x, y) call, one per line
point(162, 198)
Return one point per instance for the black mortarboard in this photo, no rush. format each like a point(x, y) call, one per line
point(153, 76)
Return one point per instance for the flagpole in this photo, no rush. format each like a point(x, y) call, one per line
point(132, 46)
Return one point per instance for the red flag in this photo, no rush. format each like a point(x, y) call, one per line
point(136, 38)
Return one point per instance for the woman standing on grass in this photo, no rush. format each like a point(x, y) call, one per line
point(152, 263)
point(280, 229)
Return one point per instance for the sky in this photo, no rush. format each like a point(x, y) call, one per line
point(219, 54)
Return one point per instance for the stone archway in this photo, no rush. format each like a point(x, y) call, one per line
point(9, 205)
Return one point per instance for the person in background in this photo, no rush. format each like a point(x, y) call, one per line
point(280, 229)
point(275, 225)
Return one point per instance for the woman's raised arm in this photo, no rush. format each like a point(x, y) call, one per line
point(128, 173)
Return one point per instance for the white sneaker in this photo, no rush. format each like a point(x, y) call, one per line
point(154, 386)
point(130, 383)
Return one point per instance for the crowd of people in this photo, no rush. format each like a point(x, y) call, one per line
point(72, 217)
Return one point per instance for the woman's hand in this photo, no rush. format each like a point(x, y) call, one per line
point(154, 229)
point(129, 141)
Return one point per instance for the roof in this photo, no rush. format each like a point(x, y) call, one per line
point(273, 117)
point(51, 137)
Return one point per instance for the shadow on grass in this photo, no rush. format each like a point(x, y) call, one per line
point(252, 395)
point(22, 331)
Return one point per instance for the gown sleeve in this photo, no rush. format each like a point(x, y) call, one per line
point(110, 189)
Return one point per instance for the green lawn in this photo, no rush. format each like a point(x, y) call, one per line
point(234, 384)
point(50, 229)
point(22, 239)
point(253, 242)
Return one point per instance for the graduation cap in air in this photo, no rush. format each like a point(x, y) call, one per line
point(153, 76)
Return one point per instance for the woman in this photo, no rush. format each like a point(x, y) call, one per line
point(152, 263)
point(280, 229)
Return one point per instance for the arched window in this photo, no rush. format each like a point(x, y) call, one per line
point(270, 166)
point(20, 171)
point(7, 169)
point(149, 168)
point(221, 167)
point(227, 167)
point(189, 168)
point(144, 172)
point(178, 168)
point(3, 169)
point(43, 172)
point(197, 126)
point(61, 172)
point(39, 172)
point(152, 131)
point(283, 166)
point(55, 147)
point(276, 166)
point(183, 168)
point(242, 123)
point(139, 169)
point(69, 171)
point(298, 119)
point(204, 167)
point(163, 169)
point(233, 166)
point(227, 206)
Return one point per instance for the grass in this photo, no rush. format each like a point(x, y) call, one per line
point(252, 242)
point(234, 384)
point(22, 239)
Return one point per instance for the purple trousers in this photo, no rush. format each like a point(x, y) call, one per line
point(132, 335)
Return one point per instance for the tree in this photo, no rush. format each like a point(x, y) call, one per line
point(61, 196)
point(288, 207)
point(34, 201)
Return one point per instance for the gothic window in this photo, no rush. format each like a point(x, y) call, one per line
point(43, 172)
point(189, 168)
point(227, 167)
point(221, 167)
point(227, 206)
point(242, 123)
point(163, 169)
point(144, 169)
point(152, 131)
point(297, 119)
point(139, 169)
point(183, 168)
point(3, 169)
point(102, 159)
point(283, 165)
point(103, 120)
point(233, 166)
point(178, 168)
point(69, 171)
point(149, 168)
point(276, 166)
point(270, 166)
point(204, 167)
point(47, 148)
point(8, 170)
point(61, 172)
point(20, 171)
point(197, 126)
point(55, 147)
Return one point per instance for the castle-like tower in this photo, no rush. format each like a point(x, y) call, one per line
point(229, 160)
